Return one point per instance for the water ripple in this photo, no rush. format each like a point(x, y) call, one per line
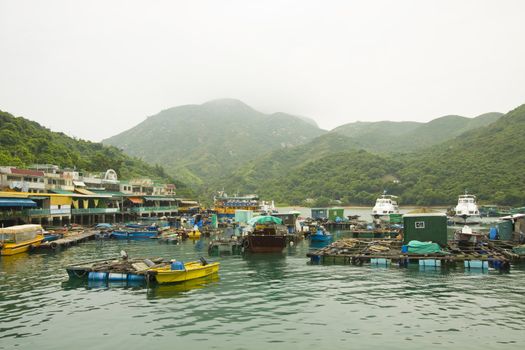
point(258, 302)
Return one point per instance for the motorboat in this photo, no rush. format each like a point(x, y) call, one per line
point(385, 205)
point(20, 238)
point(466, 211)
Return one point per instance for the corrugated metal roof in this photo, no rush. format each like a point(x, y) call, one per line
point(63, 192)
point(158, 198)
point(83, 191)
point(16, 202)
point(110, 193)
point(26, 172)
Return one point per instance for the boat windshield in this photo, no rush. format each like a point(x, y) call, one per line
point(7, 237)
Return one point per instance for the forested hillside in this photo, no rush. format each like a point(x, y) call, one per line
point(487, 161)
point(388, 137)
point(24, 142)
point(198, 143)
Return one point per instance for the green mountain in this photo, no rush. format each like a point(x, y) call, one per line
point(24, 142)
point(197, 143)
point(387, 137)
point(487, 161)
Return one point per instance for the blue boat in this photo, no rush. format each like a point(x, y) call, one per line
point(49, 237)
point(134, 235)
point(321, 236)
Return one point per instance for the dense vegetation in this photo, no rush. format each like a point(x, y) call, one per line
point(197, 143)
point(225, 144)
point(24, 142)
point(486, 161)
point(388, 137)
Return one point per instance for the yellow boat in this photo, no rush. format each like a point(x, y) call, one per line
point(180, 272)
point(195, 234)
point(20, 238)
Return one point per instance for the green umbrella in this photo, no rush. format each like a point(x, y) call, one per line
point(265, 219)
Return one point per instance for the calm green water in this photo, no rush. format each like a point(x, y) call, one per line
point(259, 302)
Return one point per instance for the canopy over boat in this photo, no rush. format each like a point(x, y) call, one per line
point(265, 219)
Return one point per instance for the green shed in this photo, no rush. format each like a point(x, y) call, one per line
point(336, 213)
point(505, 228)
point(214, 222)
point(425, 227)
point(319, 213)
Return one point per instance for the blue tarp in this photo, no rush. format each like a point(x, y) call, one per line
point(16, 202)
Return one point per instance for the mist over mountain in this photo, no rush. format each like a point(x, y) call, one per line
point(387, 136)
point(199, 142)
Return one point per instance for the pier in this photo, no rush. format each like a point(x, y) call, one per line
point(68, 241)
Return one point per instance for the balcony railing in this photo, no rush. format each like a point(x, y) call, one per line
point(42, 212)
point(95, 211)
point(37, 212)
point(153, 209)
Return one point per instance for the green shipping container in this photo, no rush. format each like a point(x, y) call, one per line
point(425, 227)
point(214, 222)
point(505, 229)
point(319, 213)
point(336, 212)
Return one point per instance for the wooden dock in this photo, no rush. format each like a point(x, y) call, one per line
point(72, 239)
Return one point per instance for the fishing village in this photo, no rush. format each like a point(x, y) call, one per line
point(262, 175)
point(48, 208)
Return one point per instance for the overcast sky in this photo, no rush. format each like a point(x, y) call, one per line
point(95, 68)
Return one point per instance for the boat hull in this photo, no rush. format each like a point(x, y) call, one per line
point(192, 271)
point(135, 236)
point(17, 248)
point(469, 220)
point(320, 238)
point(265, 243)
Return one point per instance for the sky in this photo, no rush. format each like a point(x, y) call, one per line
point(93, 69)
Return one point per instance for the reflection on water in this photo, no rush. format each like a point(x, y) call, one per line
point(257, 301)
point(159, 291)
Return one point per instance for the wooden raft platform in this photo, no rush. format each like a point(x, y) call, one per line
point(70, 240)
point(388, 252)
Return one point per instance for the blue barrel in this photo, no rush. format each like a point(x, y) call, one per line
point(177, 265)
point(98, 276)
point(136, 278)
point(118, 277)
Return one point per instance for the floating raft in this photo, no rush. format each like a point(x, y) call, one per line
point(511, 250)
point(225, 246)
point(69, 240)
point(388, 252)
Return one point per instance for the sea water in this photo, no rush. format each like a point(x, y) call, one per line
point(256, 302)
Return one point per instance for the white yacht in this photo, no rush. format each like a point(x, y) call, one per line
point(466, 212)
point(385, 205)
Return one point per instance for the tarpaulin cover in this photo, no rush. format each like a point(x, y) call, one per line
point(417, 247)
point(265, 219)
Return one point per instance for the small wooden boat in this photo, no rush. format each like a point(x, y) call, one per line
point(20, 238)
point(321, 236)
point(178, 271)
